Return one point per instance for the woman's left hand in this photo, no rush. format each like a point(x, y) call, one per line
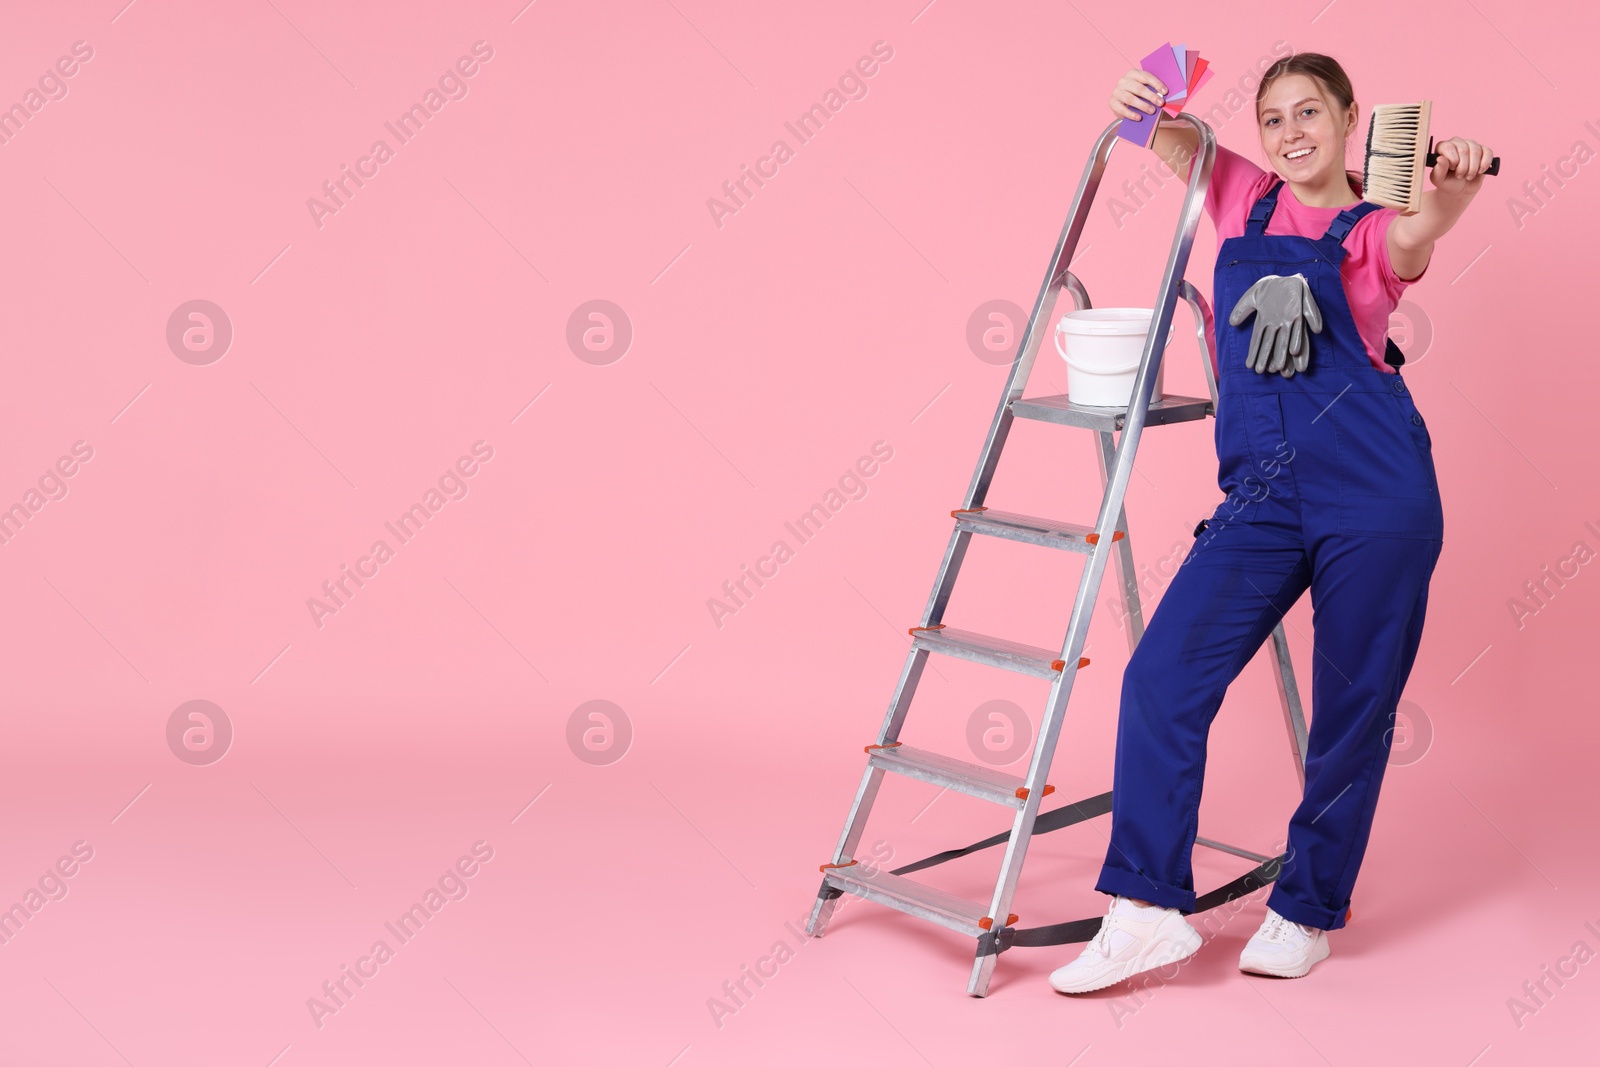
point(1461, 163)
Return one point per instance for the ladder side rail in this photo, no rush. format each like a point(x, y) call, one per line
point(1088, 585)
point(1289, 698)
point(1080, 295)
point(1111, 505)
point(916, 660)
point(1202, 332)
point(1056, 277)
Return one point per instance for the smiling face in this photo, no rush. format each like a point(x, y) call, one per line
point(1303, 132)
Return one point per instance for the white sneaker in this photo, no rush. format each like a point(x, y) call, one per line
point(1284, 949)
point(1132, 939)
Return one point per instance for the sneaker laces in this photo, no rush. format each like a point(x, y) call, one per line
point(1277, 929)
point(1101, 942)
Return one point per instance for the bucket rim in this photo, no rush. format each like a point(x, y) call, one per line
point(1115, 321)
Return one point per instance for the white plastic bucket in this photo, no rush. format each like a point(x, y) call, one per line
point(1102, 347)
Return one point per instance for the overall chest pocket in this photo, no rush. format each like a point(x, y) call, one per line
point(1237, 273)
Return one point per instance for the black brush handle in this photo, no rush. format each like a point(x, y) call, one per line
point(1433, 157)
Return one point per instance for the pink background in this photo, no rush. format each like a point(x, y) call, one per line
point(768, 354)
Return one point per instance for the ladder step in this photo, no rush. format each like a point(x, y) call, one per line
point(991, 651)
point(985, 783)
point(912, 897)
point(1063, 412)
point(1030, 530)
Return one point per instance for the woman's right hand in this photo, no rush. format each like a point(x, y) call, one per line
point(1138, 88)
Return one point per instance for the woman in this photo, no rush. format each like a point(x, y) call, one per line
point(1330, 486)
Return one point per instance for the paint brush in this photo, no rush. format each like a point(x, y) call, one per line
point(1399, 152)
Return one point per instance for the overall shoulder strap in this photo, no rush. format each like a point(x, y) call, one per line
point(1346, 220)
point(1261, 211)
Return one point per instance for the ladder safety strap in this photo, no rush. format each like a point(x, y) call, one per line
point(1083, 929)
point(1045, 823)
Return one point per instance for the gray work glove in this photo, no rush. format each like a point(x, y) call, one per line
point(1283, 306)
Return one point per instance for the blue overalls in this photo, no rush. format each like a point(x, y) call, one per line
point(1330, 486)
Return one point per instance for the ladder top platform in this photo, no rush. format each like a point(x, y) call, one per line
point(1063, 412)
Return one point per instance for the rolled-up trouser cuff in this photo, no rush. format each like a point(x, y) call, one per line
point(1125, 883)
point(1305, 914)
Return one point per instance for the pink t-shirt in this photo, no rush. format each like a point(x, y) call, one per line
point(1371, 286)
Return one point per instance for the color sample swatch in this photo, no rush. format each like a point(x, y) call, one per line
point(1182, 71)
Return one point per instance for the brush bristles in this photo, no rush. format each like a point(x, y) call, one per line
point(1396, 149)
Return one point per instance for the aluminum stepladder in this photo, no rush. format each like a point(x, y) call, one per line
point(992, 923)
